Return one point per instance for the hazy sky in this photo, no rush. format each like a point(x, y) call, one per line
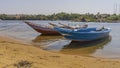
point(55, 6)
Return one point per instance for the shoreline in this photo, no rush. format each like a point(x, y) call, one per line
point(14, 52)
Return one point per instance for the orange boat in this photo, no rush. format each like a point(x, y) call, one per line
point(43, 30)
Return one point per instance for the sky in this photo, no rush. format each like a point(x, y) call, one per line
point(55, 6)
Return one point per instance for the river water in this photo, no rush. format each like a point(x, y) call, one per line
point(108, 47)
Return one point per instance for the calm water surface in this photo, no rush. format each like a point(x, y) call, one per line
point(108, 47)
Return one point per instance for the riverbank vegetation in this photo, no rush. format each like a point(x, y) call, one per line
point(65, 16)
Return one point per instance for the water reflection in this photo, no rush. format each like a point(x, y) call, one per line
point(46, 38)
point(44, 41)
point(85, 48)
point(59, 44)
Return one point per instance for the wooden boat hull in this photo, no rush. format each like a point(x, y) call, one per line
point(43, 30)
point(84, 34)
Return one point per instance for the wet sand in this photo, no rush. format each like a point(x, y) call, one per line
point(16, 54)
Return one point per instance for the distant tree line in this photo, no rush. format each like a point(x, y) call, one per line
point(65, 16)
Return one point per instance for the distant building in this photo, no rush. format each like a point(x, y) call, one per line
point(83, 20)
point(17, 16)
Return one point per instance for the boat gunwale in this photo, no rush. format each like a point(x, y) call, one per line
point(91, 32)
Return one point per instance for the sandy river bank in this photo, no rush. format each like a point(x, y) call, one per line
point(15, 54)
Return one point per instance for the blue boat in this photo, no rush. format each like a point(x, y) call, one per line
point(83, 34)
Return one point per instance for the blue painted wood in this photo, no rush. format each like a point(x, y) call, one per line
point(83, 34)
